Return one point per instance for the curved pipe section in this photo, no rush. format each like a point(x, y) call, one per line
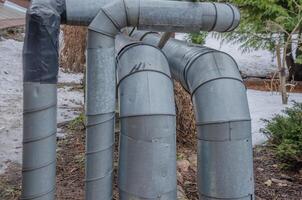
point(40, 68)
point(104, 27)
point(147, 162)
point(225, 164)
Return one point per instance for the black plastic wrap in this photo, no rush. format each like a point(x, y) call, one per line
point(41, 44)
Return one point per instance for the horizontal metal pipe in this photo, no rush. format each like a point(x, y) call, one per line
point(159, 15)
point(225, 164)
point(147, 162)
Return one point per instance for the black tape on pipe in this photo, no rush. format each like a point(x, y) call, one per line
point(41, 44)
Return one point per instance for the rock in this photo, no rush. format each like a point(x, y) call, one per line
point(282, 182)
point(260, 169)
point(268, 183)
point(193, 160)
point(183, 165)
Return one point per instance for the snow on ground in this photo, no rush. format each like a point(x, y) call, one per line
point(69, 101)
point(262, 104)
point(255, 63)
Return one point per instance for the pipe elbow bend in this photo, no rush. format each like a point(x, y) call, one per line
point(210, 65)
point(218, 92)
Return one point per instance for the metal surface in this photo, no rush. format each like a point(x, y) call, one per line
point(147, 162)
point(40, 70)
point(105, 26)
point(225, 164)
point(146, 94)
point(39, 141)
point(100, 112)
point(169, 16)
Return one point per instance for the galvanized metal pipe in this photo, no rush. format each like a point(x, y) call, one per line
point(40, 68)
point(106, 25)
point(225, 164)
point(147, 161)
point(100, 112)
point(158, 15)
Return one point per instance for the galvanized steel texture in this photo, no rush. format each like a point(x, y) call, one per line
point(175, 16)
point(147, 162)
point(225, 164)
point(100, 112)
point(39, 141)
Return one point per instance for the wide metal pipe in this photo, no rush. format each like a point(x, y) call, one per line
point(225, 160)
point(40, 68)
point(147, 162)
point(100, 112)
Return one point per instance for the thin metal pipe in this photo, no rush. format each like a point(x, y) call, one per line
point(225, 160)
point(39, 141)
point(147, 161)
point(100, 112)
point(40, 68)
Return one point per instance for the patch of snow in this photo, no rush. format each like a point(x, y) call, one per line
point(254, 63)
point(69, 101)
point(70, 77)
point(265, 105)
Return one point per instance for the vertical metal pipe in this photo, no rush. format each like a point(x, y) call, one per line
point(40, 69)
point(147, 162)
point(225, 164)
point(100, 112)
point(39, 141)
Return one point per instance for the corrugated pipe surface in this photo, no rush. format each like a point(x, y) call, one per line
point(147, 162)
point(40, 68)
point(225, 164)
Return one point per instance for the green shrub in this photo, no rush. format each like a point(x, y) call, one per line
point(285, 134)
point(78, 123)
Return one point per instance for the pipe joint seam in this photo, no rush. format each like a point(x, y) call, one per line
point(100, 150)
point(224, 130)
point(109, 173)
point(39, 195)
point(39, 138)
point(215, 69)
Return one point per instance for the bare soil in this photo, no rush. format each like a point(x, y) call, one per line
point(269, 85)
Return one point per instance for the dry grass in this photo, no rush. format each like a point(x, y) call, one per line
point(72, 55)
point(186, 129)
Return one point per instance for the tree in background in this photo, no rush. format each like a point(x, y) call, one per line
point(274, 25)
point(269, 24)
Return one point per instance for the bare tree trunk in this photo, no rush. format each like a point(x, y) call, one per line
point(282, 75)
